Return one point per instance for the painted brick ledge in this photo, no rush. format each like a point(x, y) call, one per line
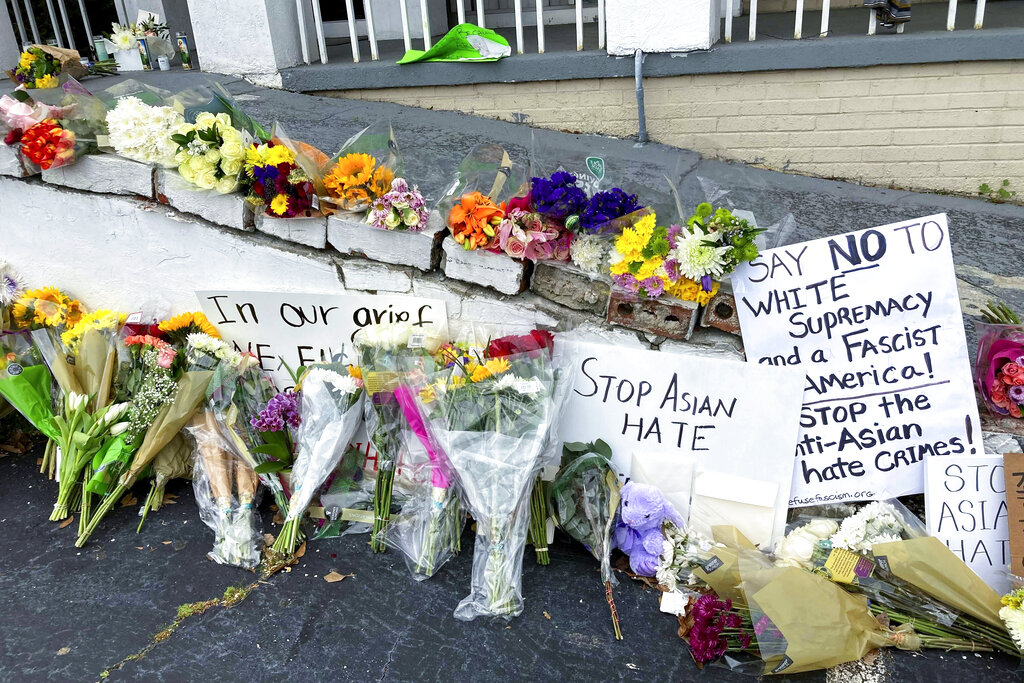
point(477, 285)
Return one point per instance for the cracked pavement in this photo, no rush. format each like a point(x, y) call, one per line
point(107, 601)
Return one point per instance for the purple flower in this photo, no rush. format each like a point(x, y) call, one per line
point(654, 286)
point(1016, 394)
point(706, 283)
point(280, 410)
point(627, 281)
point(607, 206)
point(558, 196)
point(674, 231)
point(264, 174)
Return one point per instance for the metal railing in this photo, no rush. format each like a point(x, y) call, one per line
point(61, 31)
point(979, 19)
point(423, 31)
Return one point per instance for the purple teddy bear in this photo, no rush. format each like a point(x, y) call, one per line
point(638, 525)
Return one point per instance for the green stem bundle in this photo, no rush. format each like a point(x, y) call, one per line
point(538, 521)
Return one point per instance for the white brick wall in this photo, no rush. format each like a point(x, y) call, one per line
point(947, 127)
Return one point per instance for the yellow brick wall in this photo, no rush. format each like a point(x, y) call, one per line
point(933, 126)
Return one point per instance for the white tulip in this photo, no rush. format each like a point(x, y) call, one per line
point(119, 428)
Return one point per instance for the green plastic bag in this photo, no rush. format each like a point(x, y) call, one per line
point(26, 382)
point(464, 43)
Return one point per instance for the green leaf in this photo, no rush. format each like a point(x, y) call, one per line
point(270, 466)
point(984, 188)
point(603, 448)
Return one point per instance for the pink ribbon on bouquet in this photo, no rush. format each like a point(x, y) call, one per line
point(439, 477)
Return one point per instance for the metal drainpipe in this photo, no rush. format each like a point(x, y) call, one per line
point(641, 116)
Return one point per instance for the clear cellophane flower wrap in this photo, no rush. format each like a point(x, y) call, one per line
point(225, 488)
point(384, 353)
point(475, 202)
point(26, 382)
point(493, 423)
point(362, 170)
point(331, 409)
point(140, 120)
point(284, 176)
point(999, 367)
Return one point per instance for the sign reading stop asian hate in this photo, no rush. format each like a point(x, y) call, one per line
point(873, 318)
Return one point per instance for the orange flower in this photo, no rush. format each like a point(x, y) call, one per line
point(350, 171)
point(381, 181)
point(474, 220)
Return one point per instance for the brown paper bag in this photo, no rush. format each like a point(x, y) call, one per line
point(70, 60)
point(94, 366)
point(931, 566)
point(722, 570)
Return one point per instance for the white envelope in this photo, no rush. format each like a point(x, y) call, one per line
point(670, 472)
point(747, 504)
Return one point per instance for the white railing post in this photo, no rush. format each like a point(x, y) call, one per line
point(460, 6)
point(798, 28)
point(406, 36)
point(979, 14)
point(53, 22)
point(425, 19)
point(32, 22)
point(370, 33)
point(318, 24)
point(600, 24)
point(85, 21)
point(22, 36)
point(352, 35)
point(67, 23)
point(480, 13)
point(752, 31)
point(872, 22)
point(540, 27)
point(300, 15)
point(579, 24)
point(951, 16)
point(824, 19)
point(519, 26)
point(728, 20)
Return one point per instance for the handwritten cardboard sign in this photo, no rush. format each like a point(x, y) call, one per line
point(296, 328)
point(965, 501)
point(725, 417)
point(873, 319)
point(1013, 470)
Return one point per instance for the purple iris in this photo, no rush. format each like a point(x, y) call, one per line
point(558, 196)
point(706, 283)
point(607, 206)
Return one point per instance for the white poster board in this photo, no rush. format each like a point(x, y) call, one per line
point(873, 319)
point(965, 502)
point(730, 417)
point(299, 328)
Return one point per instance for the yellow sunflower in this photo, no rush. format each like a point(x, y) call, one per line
point(180, 326)
point(350, 171)
point(381, 181)
point(45, 307)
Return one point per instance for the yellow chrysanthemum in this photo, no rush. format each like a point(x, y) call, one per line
point(47, 81)
point(496, 366)
point(427, 394)
point(180, 326)
point(278, 154)
point(26, 60)
point(99, 320)
point(253, 158)
point(619, 268)
point(458, 381)
point(648, 268)
point(630, 243)
point(279, 204)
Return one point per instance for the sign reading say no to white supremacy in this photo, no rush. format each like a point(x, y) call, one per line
point(873, 318)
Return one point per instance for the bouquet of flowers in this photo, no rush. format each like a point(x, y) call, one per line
point(429, 528)
point(25, 382)
point(225, 484)
point(1012, 614)
point(148, 26)
point(475, 204)
point(279, 185)
point(493, 421)
point(142, 132)
point(48, 144)
point(380, 349)
point(92, 342)
point(211, 152)
point(999, 365)
point(330, 411)
point(712, 244)
point(20, 112)
point(37, 69)
point(364, 170)
point(585, 494)
point(401, 208)
point(530, 235)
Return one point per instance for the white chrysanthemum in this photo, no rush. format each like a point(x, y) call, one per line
point(877, 522)
point(387, 336)
point(697, 259)
point(344, 384)
point(1014, 620)
point(143, 133)
point(11, 284)
point(588, 253)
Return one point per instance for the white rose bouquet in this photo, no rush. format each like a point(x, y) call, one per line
point(210, 152)
point(142, 132)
